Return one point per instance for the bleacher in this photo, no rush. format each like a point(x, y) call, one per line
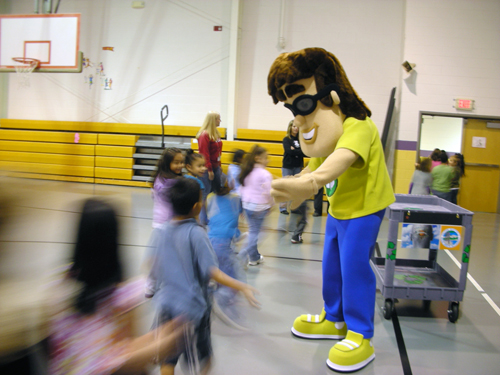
point(107, 153)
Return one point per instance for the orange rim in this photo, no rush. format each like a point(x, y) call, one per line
point(27, 61)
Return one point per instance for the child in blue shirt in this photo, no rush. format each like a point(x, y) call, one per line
point(234, 170)
point(184, 266)
point(223, 211)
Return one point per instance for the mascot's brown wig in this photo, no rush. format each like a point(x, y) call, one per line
point(326, 69)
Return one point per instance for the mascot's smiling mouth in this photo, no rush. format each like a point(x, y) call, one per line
point(310, 136)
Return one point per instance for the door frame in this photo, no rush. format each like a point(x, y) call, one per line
point(464, 117)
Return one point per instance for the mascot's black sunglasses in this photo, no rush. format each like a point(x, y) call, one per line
point(306, 104)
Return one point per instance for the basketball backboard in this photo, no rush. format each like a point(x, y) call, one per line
point(53, 39)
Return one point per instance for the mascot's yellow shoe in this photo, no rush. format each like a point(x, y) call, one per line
point(351, 354)
point(317, 327)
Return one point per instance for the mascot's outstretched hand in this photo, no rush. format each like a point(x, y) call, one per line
point(308, 183)
point(296, 190)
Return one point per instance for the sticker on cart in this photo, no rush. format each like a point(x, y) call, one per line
point(420, 236)
point(450, 237)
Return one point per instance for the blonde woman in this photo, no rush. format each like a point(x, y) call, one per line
point(210, 146)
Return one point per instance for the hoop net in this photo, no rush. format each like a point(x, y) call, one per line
point(24, 69)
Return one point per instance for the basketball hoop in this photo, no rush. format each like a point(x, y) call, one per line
point(23, 71)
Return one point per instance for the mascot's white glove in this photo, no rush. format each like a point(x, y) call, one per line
point(296, 190)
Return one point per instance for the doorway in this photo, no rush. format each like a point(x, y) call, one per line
point(478, 139)
point(479, 187)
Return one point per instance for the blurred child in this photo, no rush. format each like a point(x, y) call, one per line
point(256, 199)
point(421, 181)
point(91, 329)
point(195, 165)
point(234, 170)
point(458, 164)
point(168, 169)
point(435, 157)
point(224, 209)
point(441, 178)
point(184, 266)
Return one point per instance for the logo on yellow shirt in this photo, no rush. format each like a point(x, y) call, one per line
point(331, 187)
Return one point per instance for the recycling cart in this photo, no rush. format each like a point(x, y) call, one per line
point(427, 222)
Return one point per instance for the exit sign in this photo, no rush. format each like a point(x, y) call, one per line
point(464, 104)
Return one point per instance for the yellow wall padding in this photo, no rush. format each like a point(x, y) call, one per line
point(261, 135)
point(104, 161)
point(187, 131)
point(117, 151)
point(39, 176)
point(230, 146)
point(63, 170)
point(117, 139)
point(49, 148)
point(121, 174)
point(122, 182)
point(103, 127)
point(32, 157)
point(47, 136)
point(276, 172)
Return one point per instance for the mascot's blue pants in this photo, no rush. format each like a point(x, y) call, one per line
point(349, 284)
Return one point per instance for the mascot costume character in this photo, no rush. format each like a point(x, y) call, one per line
point(347, 157)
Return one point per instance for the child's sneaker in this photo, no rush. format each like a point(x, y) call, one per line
point(297, 238)
point(256, 262)
point(351, 354)
point(150, 288)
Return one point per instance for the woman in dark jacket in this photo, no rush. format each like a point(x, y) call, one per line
point(293, 158)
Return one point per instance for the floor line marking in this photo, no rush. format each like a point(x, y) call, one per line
point(476, 284)
point(492, 304)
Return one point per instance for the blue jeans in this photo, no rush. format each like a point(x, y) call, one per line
point(255, 220)
point(209, 187)
point(229, 265)
point(288, 172)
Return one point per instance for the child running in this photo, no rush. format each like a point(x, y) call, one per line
point(441, 178)
point(421, 181)
point(185, 264)
point(458, 164)
point(224, 209)
point(168, 170)
point(256, 199)
point(195, 165)
point(234, 170)
point(90, 325)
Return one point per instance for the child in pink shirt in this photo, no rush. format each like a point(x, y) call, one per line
point(256, 200)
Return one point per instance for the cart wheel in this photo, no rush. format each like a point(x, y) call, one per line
point(388, 307)
point(453, 311)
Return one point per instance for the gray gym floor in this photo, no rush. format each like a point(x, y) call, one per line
point(290, 285)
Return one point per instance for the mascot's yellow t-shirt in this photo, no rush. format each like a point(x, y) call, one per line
point(364, 188)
